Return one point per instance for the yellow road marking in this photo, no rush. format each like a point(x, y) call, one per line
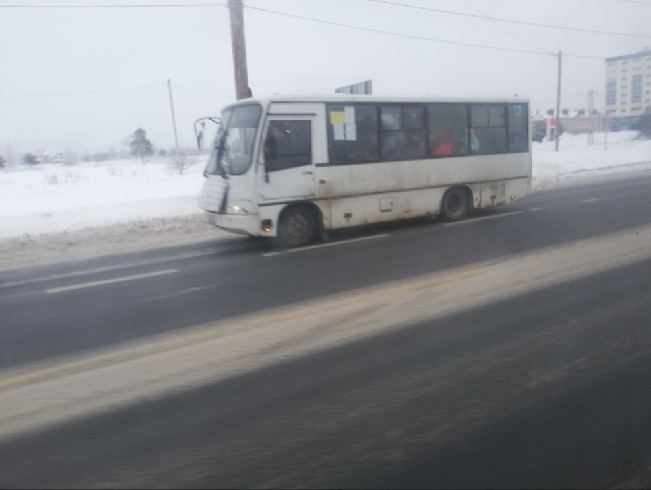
point(109, 281)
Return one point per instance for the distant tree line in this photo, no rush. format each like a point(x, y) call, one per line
point(136, 144)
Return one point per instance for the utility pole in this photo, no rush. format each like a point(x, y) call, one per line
point(558, 101)
point(238, 43)
point(176, 137)
point(590, 116)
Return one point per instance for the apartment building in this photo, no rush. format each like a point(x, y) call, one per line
point(628, 87)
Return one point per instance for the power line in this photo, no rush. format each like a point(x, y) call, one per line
point(534, 75)
point(117, 6)
point(564, 98)
point(368, 8)
point(395, 13)
point(502, 27)
point(409, 36)
point(202, 91)
point(637, 1)
point(521, 22)
point(30, 96)
point(413, 36)
point(123, 89)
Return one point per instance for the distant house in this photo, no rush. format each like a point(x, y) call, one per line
point(574, 121)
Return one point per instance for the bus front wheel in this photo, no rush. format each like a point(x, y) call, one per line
point(455, 205)
point(297, 226)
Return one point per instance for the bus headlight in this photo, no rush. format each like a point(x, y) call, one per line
point(240, 207)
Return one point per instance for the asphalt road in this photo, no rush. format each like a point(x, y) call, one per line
point(544, 388)
point(218, 280)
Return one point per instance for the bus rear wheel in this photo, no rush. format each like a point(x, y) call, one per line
point(455, 205)
point(297, 226)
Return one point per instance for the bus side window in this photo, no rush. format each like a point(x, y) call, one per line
point(488, 129)
point(448, 129)
point(518, 128)
point(403, 132)
point(352, 134)
point(288, 144)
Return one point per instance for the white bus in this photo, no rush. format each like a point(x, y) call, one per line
point(296, 167)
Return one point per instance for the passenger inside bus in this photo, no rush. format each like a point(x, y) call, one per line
point(390, 146)
point(474, 141)
point(443, 144)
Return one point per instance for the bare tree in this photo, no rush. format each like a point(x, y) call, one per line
point(181, 162)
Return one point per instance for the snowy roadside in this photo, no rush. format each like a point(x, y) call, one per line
point(56, 213)
point(577, 160)
point(99, 241)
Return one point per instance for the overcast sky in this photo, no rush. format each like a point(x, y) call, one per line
point(48, 51)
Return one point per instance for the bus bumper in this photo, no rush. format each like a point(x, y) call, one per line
point(236, 223)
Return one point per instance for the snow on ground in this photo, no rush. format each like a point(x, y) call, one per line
point(53, 197)
point(56, 211)
point(576, 158)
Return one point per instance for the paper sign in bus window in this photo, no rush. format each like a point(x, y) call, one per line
point(337, 117)
point(339, 131)
point(350, 115)
point(343, 124)
point(351, 132)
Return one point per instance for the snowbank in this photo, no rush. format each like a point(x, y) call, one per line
point(105, 240)
point(55, 198)
point(576, 158)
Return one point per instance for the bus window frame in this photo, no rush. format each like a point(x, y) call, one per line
point(426, 105)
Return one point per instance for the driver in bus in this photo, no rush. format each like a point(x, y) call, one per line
point(275, 137)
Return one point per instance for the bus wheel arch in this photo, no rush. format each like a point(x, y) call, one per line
point(457, 202)
point(299, 224)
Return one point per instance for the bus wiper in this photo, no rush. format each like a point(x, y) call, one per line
point(220, 155)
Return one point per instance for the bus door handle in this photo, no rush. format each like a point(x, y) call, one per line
point(308, 172)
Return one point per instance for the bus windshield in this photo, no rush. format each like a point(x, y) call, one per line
point(233, 148)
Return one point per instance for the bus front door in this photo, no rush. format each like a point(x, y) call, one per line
point(290, 151)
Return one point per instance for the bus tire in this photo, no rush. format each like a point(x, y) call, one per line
point(297, 226)
point(455, 204)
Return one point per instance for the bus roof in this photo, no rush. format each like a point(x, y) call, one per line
point(348, 99)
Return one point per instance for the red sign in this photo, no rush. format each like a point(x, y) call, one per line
point(608, 116)
point(552, 122)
